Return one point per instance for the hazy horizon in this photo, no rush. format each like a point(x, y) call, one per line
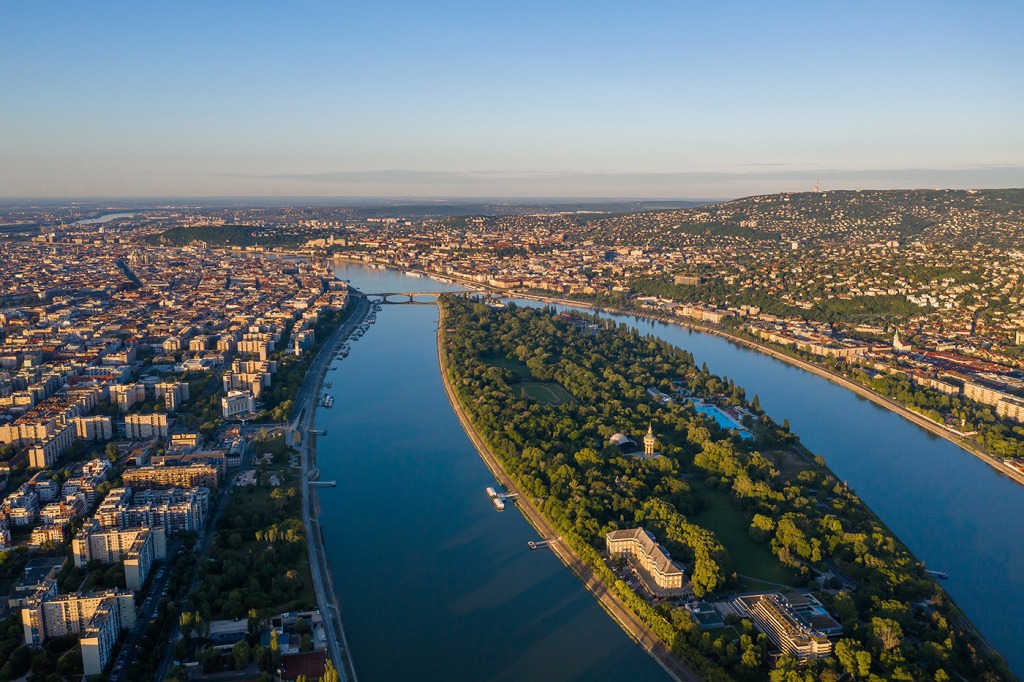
point(540, 100)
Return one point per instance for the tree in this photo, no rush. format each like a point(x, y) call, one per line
point(887, 631)
point(853, 658)
point(330, 673)
point(253, 624)
point(240, 653)
point(275, 649)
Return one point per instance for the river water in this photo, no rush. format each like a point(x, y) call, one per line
point(434, 584)
point(955, 512)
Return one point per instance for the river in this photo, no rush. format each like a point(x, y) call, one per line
point(106, 218)
point(434, 584)
point(955, 512)
point(429, 542)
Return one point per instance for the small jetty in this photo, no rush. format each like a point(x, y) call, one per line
point(499, 499)
point(541, 544)
point(327, 400)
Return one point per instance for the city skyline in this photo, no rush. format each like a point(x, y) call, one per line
point(578, 101)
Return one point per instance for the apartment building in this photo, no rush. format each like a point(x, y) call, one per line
point(143, 426)
point(192, 475)
point(96, 617)
point(236, 403)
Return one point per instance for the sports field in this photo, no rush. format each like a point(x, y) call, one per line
point(548, 393)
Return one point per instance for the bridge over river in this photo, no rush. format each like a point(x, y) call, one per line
point(414, 297)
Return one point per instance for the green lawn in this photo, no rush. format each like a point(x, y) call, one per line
point(521, 371)
point(545, 392)
point(730, 525)
point(551, 394)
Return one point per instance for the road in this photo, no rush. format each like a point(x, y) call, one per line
point(305, 412)
point(628, 620)
point(202, 548)
point(145, 612)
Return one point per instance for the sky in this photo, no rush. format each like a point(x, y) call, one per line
point(674, 100)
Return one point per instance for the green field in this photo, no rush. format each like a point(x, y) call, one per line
point(551, 394)
point(521, 371)
point(730, 525)
point(545, 392)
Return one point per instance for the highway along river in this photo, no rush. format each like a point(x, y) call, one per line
point(435, 584)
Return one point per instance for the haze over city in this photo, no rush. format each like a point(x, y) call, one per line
point(526, 100)
point(532, 341)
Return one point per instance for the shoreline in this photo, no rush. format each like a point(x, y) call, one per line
point(882, 401)
point(319, 566)
point(676, 668)
point(864, 392)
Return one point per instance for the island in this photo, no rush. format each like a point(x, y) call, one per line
point(739, 553)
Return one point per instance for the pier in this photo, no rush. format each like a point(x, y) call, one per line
point(499, 499)
point(541, 544)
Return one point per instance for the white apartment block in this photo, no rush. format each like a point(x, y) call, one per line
point(143, 426)
point(236, 403)
point(43, 454)
point(126, 395)
point(137, 547)
point(173, 393)
point(94, 428)
point(97, 618)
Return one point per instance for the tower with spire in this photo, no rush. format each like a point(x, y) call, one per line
point(649, 442)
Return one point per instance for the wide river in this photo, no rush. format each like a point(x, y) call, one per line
point(436, 585)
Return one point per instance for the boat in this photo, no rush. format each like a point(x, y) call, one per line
point(498, 503)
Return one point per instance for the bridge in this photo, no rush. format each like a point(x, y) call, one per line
point(413, 296)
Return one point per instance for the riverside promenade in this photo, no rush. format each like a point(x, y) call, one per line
point(305, 412)
point(627, 620)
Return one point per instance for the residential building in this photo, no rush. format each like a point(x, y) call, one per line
point(143, 426)
point(236, 403)
point(94, 428)
point(96, 617)
point(193, 475)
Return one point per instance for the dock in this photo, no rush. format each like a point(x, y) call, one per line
point(541, 544)
point(499, 499)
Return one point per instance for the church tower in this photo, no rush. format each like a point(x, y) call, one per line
point(649, 442)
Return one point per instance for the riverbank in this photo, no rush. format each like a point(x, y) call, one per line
point(878, 399)
point(838, 379)
point(305, 409)
point(626, 619)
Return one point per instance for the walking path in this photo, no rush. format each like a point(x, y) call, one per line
point(323, 583)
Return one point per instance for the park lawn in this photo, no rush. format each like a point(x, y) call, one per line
point(730, 525)
point(549, 393)
point(520, 369)
point(545, 392)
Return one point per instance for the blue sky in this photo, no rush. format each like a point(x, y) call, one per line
point(653, 99)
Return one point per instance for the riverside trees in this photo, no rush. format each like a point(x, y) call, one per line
point(559, 455)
